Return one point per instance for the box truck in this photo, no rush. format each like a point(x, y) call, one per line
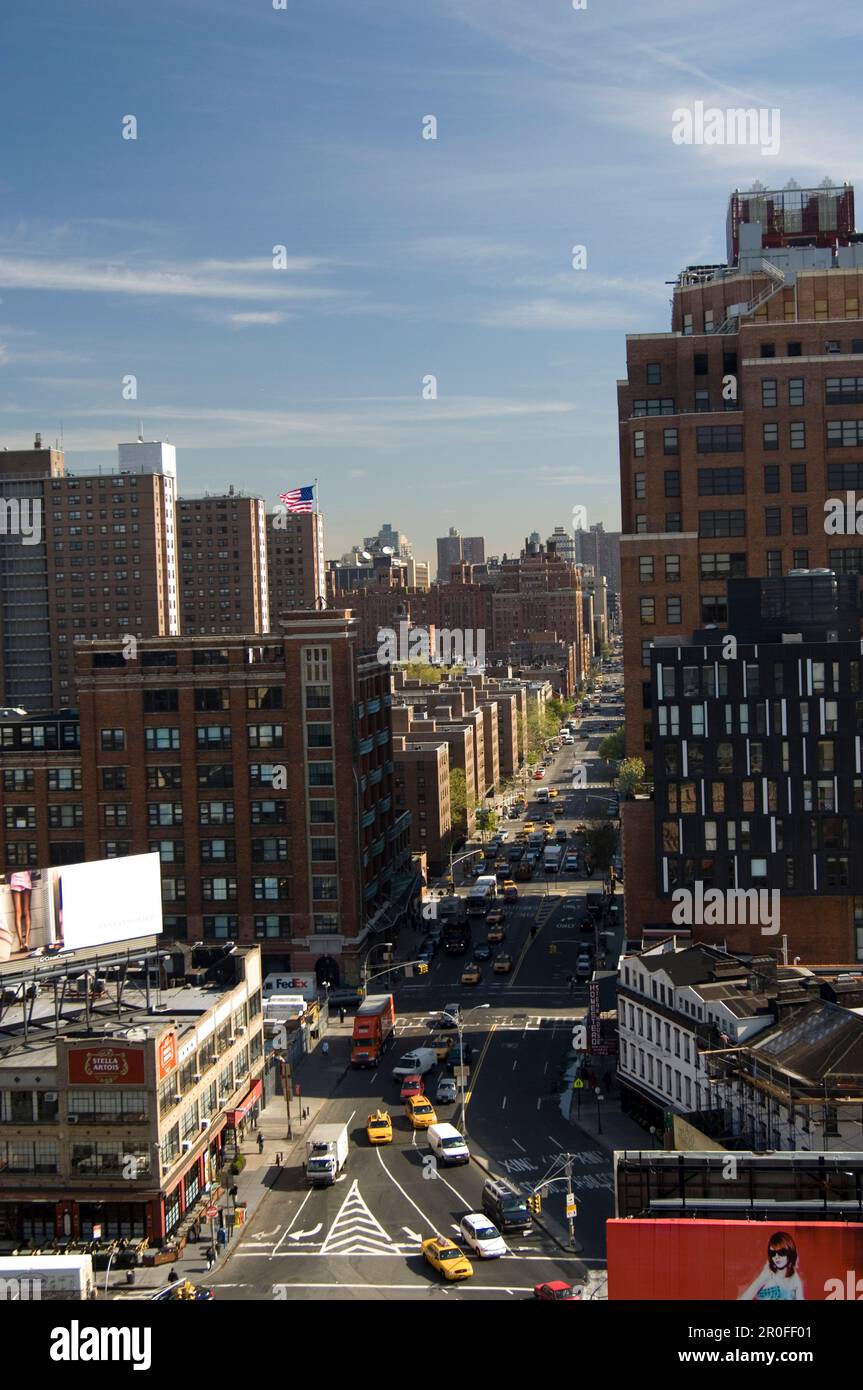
point(373, 1030)
point(551, 858)
point(28, 1278)
point(326, 1154)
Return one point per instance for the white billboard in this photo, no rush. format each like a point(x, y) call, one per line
point(107, 900)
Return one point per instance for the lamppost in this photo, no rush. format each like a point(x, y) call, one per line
point(458, 859)
point(459, 1023)
point(599, 1097)
point(367, 963)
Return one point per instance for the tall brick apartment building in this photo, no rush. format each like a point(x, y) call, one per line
point(261, 771)
point(736, 427)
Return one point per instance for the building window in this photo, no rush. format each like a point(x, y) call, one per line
point(769, 393)
point(656, 406)
point(774, 564)
point(719, 482)
point(670, 441)
point(672, 567)
point(718, 524)
point(773, 521)
point(798, 477)
point(320, 774)
point(673, 609)
point(158, 740)
point(800, 559)
point(645, 569)
point(770, 436)
point(161, 701)
point(799, 521)
point(266, 735)
point(648, 610)
point(325, 887)
point(798, 435)
point(211, 697)
point(796, 391)
point(672, 482)
point(640, 486)
point(772, 482)
point(641, 525)
point(112, 740)
point(218, 889)
point(646, 644)
point(638, 446)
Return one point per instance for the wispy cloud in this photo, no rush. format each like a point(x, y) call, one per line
point(250, 280)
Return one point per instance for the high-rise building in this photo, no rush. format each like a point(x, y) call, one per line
point(262, 774)
point(738, 430)
point(455, 549)
point(103, 564)
point(223, 564)
point(601, 550)
point(563, 543)
point(297, 570)
point(739, 424)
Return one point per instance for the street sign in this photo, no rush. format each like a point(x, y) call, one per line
point(571, 1206)
point(211, 1213)
point(577, 1084)
point(97, 1232)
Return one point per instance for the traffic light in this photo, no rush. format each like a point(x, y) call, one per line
point(534, 1203)
point(422, 968)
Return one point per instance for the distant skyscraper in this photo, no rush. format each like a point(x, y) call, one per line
point(564, 544)
point(455, 549)
point(295, 551)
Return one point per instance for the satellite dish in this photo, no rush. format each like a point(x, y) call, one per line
point(365, 555)
point(387, 550)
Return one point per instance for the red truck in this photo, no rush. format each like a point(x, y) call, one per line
point(373, 1029)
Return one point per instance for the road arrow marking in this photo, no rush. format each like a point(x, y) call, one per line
point(301, 1235)
point(412, 1234)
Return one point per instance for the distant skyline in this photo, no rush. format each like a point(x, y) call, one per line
point(405, 258)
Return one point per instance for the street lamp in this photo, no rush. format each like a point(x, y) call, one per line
point(459, 1023)
point(599, 1097)
point(367, 963)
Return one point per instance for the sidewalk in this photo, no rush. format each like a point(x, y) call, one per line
point(317, 1076)
point(618, 1131)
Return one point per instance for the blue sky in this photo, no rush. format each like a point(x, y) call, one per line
point(406, 257)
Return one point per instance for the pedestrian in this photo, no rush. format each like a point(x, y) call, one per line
point(341, 1015)
point(173, 1277)
point(194, 1231)
point(260, 1143)
point(279, 1159)
point(210, 1257)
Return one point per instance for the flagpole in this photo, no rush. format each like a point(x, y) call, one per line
point(317, 505)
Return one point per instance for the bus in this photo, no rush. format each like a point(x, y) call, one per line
point(481, 896)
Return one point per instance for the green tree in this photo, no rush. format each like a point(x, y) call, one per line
point(534, 734)
point(486, 820)
point(607, 651)
point(613, 747)
point(423, 671)
point(601, 844)
point(560, 710)
point(630, 776)
point(458, 798)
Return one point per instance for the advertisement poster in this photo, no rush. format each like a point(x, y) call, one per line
point(745, 1261)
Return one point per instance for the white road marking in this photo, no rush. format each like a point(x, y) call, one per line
point(552, 1140)
point(295, 1218)
point(520, 1146)
point(355, 1231)
point(503, 1106)
point(420, 1212)
point(302, 1235)
point(515, 1064)
point(412, 1234)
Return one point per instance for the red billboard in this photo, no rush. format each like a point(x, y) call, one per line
point(167, 1054)
point(100, 1065)
point(750, 1261)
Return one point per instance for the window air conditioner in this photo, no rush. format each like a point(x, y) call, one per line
point(177, 1097)
point(187, 1144)
point(73, 1119)
point(197, 1076)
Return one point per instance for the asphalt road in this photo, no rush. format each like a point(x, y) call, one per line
point(361, 1238)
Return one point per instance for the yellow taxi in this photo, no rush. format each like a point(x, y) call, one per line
point(529, 825)
point(552, 793)
point(379, 1128)
point(420, 1112)
point(502, 963)
point(472, 974)
point(496, 933)
point(442, 1044)
point(548, 827)
point(444, 1256)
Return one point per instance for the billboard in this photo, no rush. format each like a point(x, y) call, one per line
point(749, 1261)
point(75, 906)
point(106, 1065)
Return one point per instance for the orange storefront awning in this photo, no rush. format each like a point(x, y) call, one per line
point(240, 1111)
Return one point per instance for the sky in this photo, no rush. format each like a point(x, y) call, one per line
point(427, 349)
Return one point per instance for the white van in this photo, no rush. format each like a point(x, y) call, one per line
point(447, 1145)
point(542, 794)
point(415, 1063)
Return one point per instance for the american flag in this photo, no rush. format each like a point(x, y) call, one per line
point(299, 499)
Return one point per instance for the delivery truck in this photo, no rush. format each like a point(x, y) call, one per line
point(551, 858)
point(373, 1030)
point(27, 1278)
point(326, 1154)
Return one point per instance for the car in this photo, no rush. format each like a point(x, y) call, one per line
point(450, 1016)
point(495, 916)
point(184, 1290)
point(557, 1289)
point(420, 1112)
point(548, 827)
point(482, 951)
point(583, 968)
point(505, 1206)
point(502, 963)
point(412, 1086)
point(561, 836)
point(502, 835)
point(442, 1044)
point(472, 973)
point(476, 870)
point(571, 864)
point(444, 1256)
point(512, 813)
point(379, 1128)
point(510, 891)
point(481, 1236)
point(501, 872)
point(529, 826)
point(553, 792)
point(459, 1057)
point(447, 1091)
point(497, 933)
point(426, 952)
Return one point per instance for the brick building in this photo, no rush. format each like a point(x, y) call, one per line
point(295, 562)
point(223, 578)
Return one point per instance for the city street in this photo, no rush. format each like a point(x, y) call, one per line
point(361, 1238)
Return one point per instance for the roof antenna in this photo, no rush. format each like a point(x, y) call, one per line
point(140, 431)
